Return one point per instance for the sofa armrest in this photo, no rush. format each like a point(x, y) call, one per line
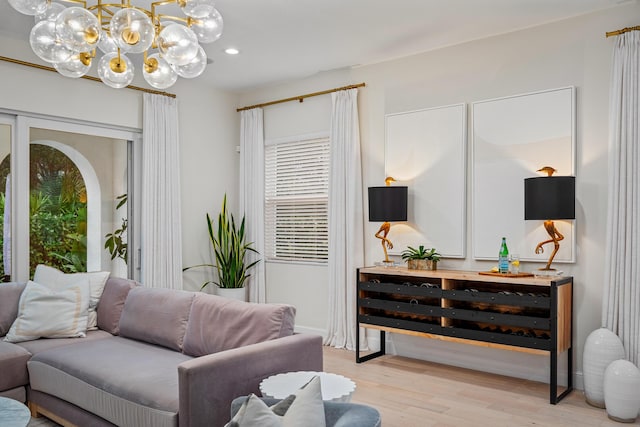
point(208, 384)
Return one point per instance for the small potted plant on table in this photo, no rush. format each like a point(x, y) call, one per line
point(421, 258)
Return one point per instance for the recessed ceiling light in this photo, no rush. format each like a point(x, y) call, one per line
point(231, 51)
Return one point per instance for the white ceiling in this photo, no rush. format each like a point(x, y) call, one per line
point(282, 40)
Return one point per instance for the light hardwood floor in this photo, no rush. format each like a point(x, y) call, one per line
point(410, 392)
point(414, 393)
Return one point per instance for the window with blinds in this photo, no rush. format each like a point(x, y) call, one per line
point(296, 199)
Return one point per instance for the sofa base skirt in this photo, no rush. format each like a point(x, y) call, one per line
point(62, 412)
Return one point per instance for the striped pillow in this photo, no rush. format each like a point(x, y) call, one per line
point(45, 313)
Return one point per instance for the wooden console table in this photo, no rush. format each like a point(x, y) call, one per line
point(526, 314)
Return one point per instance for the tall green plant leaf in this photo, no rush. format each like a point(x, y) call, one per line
point(229, 250)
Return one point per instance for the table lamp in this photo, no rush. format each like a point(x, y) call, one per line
point(549, 198)
point(387, 204)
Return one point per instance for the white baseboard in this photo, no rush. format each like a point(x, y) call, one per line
point(501, 362)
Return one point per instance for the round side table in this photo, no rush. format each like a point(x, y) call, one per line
point(335, 388)
point(13, 413)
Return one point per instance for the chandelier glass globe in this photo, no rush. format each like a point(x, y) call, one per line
point(195, 67)
point(132, 30)
point(115, 70)
point(76, 66)
point(71, 37)
point(209, 28)
point(158, 72)
point(78, 29)
point(107, 44)
point(198, 8)
point(29, 7)
point(44, 43)
point(178, 44)
point(50, 13)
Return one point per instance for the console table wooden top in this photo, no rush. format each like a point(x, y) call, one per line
point(463, 275)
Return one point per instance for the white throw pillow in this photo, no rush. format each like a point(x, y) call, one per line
point(46, 313)
point(254, 413)
point(56, 279)
point(304, 408)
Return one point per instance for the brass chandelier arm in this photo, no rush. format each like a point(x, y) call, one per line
point(105, 11)
point(82, 2)
point(187, 20)
point(157, 16)
point(95, 79)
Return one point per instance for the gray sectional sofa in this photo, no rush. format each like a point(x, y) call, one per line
point(158, 358)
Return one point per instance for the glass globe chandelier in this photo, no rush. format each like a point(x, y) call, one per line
point(69, 37)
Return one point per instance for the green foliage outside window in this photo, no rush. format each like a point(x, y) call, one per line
point(58, 210)
point(116, 242)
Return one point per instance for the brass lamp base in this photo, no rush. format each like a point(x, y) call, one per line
point(555, 239)
point(386, 243)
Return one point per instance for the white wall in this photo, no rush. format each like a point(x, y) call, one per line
point(208, 132)
point(574, 52)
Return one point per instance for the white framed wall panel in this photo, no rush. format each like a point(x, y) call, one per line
point(512, 138)
point(426, 151)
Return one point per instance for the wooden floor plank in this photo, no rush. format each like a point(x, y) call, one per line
point(410, 392)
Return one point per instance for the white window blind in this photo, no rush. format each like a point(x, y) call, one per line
point(296, 199)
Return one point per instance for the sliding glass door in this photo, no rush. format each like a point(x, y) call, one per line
point(70, 203)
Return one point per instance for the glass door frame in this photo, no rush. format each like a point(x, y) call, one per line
point(10, 120)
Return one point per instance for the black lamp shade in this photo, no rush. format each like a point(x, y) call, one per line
point(387, 203)
point(550, 197)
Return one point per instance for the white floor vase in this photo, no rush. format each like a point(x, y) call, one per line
point(601, 348)
point(622, 391)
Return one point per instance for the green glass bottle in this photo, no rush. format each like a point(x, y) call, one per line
point(503, 257)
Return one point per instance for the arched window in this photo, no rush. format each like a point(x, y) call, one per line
point(58, 207)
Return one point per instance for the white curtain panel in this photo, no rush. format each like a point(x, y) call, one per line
point(621, 302)
point(161, 225)
point(346, 223)
point(252, 195)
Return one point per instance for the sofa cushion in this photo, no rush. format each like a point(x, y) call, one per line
point(56, 279)
point(37, 346)
point(112, 302)
point(43, 312)
point(139, 379)
point(156, 316)
point(9, 298)
point(13, 365)
point(218, 324)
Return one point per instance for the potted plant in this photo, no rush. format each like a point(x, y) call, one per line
point(421, 258)
point(229, 249)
